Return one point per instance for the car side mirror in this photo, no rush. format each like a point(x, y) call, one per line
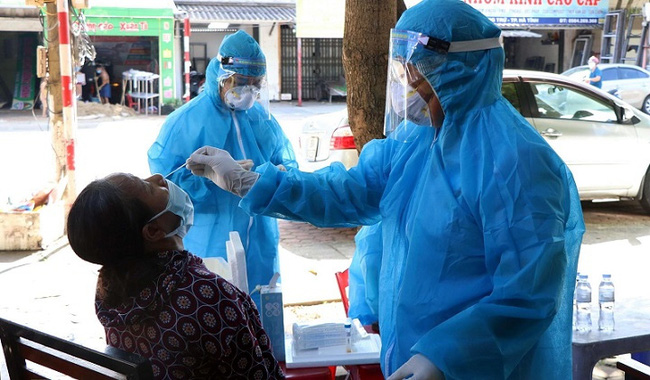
point(628, 116)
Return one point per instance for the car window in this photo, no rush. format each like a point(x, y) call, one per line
point(627, 73)
point(509, 92)
point(609, 74)
point(559, 102)
point(578, 73)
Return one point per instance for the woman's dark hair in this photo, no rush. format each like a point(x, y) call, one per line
point(105, 227)
point(105, 223)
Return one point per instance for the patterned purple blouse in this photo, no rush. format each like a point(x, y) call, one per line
point(192, 325)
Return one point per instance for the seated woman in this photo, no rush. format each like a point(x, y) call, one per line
point(156, 299)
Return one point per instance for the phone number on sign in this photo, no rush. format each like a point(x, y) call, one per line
point(578, 21)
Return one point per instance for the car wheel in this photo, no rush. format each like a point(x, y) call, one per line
point(645, 196)
point(646, 105)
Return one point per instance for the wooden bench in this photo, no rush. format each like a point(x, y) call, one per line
point(634, 370)
point(31, 354)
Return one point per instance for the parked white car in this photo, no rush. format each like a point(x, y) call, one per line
point(327, 138)
point(604, 141)
point(628, 82)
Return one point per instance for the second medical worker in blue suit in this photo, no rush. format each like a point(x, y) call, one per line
point(481, 230)
point(230, 114)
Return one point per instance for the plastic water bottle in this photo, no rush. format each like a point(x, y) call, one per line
point(583, 304)
point(606, 302)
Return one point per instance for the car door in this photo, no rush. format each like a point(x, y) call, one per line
point(609, 76)
point(583, 128)
point(512, 90)
point(633, 85)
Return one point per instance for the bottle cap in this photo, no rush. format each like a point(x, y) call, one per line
point(583, 276)
point(607, 276)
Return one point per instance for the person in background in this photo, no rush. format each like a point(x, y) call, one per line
point(154, 297)
point(104, 84)
point(231, 114)
point(80, 81)
point(595, 75)
point(87, 89)
point(481, 231)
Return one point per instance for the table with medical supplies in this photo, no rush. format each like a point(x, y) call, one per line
point(363, 352)
point(631, 334)
point(362, 349)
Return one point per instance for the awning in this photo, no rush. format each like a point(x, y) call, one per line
point(19, 18)
point(202, 12)
point(519, 33)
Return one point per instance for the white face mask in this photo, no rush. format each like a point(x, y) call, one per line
point(179, 203)
point(592, 65)
point(412, 106)
point(241, 98)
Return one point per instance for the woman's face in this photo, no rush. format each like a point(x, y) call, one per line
point(151, 191)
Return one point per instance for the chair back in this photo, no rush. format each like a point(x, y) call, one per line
point(32, 354)
point(342, 281)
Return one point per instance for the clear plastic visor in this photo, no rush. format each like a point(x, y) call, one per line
point(407, 90)
point(412, 58)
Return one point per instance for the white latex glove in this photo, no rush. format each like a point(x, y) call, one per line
point(219, 166)
point(247, 164)
point(418, 367)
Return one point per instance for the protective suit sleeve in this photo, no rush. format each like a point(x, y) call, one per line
point(284, 154)
point(174, 144)
point(526, 256)
point(330, 197)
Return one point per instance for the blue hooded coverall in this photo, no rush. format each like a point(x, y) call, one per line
point(481, 230)
point(250, 134)
point(363, 274)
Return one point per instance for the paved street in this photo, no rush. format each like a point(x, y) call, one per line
point(53, 290)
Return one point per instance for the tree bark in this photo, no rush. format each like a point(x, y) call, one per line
point(365, 60)
point(401, 7)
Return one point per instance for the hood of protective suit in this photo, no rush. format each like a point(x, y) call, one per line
point(463, 81)
point(238, 45)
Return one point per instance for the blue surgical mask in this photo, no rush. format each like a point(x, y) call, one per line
point(179, 203)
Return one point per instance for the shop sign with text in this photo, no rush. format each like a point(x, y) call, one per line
point(538, 13)
point(134, 27)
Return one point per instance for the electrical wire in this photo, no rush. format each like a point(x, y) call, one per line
point(81, 44)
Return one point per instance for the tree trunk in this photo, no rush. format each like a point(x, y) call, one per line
point(401, 7)
point(365, 60)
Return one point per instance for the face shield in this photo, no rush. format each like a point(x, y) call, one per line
point(242, 83)
point(410, 98)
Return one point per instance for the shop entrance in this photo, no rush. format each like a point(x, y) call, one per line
point(18, 82)
point(119, 54)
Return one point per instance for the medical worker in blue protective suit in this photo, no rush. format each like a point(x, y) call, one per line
point(481, 230)
point(363, 275)
point(226, 115)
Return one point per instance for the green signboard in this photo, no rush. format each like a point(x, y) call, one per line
point(159, 23)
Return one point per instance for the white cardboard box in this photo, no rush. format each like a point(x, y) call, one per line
point(31, 230)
